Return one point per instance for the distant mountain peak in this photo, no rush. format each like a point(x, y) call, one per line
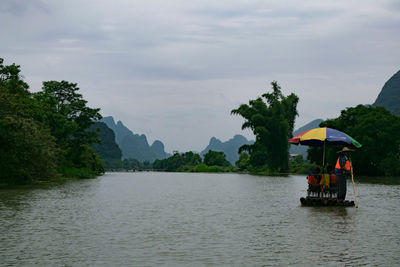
point(389, 97)
point(215, 141)
point(134, 145)
point(230, 147)
point(158, 143)
point(109, 120)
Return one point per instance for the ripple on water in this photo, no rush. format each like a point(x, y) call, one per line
point(152, 219)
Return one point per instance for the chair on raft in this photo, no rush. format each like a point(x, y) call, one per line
point(314, 188)
point(333, 186)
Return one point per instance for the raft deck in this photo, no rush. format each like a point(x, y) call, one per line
point(321, 201)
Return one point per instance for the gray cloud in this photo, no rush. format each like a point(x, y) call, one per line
point(174, 69)
point(20, 7)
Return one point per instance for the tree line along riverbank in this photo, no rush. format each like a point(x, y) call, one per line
point(43, 135)
point(47, 136)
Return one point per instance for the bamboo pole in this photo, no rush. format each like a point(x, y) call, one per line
point(354, 186)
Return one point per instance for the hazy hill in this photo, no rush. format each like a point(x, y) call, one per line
point(389, 97)
point(107, 149)
point(158, 148)
point(302, 150)
point(119, 128)
point(230, 147)
point(135, 146)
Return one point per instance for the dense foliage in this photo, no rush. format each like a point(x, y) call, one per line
point(214, 158)
point(68, 117)
point(192, 162)
point(377, 130)
point(271, 118)
point(178, 162)
point(107, 149)
point(229, 147)
point(126, 164)
point(300, 166)
point(243, 162)
point(44, 134)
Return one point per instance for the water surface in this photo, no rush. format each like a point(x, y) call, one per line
point(151, 219)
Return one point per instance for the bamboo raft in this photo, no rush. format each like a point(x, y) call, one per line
point(323, 201)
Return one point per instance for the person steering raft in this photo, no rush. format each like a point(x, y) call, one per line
point(342, 170)
point(329, 186)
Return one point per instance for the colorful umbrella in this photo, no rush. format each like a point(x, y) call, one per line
point(322, 136)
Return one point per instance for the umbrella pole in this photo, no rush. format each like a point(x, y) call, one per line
point(323, 165)
point(354, 186)
point(323, 157)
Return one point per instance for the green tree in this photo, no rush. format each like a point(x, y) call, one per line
point(27, 150)
point(67, 113)
point(131, 164)
point(108, 148)
point(243, 162)
point(191, 159)
point(11, 80)
point(45, 133)
point(169, 164)
point(214, 158)
point(178, 162)
point(377, 130)
point(68, 117)
point(271, 118)
point(300, 166)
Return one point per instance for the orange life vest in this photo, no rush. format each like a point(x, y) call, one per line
point(312, 180)
point(347, 165)
point(332, 178)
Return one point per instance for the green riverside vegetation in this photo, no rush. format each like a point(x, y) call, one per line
point(271, 118)
point(52, 135)
point(192, 162)
point(377, 130)
point(43, 135)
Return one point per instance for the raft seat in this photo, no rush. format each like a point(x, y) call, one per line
point(314, 187)
point(332, 190)
point(314, 190)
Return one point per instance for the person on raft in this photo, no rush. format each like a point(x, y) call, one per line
point(342, 169)
point(332, 181)
point(314, 179)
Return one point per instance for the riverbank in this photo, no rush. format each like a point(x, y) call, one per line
point(202, 168)
point(68, 174)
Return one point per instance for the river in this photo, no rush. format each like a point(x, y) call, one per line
point(185, 219)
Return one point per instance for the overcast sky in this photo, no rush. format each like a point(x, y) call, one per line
point(174, 70)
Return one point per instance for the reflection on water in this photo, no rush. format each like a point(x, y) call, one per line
point(379, 180)
point(139, 219)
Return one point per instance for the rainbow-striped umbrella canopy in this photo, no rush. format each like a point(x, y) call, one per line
point(321, 136)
